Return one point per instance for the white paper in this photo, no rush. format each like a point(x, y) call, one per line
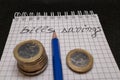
point(71, 35)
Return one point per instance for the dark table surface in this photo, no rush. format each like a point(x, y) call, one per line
point(108, 12)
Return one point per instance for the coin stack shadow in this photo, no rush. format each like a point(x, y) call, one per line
point(31, 57)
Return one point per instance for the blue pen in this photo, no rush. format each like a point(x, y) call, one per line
point(56, 57)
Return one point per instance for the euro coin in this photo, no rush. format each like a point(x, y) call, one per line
point(31, 57)
point(79, 60)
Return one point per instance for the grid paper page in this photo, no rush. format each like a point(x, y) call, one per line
point(76, 31)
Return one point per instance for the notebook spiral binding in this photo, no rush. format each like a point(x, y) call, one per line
point(52, 14)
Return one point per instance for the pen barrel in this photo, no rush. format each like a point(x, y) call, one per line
point(57, 66)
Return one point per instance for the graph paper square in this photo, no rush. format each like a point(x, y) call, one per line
point(72, 33)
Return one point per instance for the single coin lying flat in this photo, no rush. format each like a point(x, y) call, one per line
point(79, 60)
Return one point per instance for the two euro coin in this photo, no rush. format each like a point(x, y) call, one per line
point(79, 60)
point(31, 57)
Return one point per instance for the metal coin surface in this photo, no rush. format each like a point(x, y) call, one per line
point(79, 60)
point(28, 50)
point(31, 57)
point(33, 73)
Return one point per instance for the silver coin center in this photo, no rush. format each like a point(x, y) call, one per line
point(79, 59)
point(28, 50)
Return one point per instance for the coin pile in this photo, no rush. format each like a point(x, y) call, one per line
point(79, 60)
point(31, 57)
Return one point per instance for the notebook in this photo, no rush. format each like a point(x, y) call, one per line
point(74, 31)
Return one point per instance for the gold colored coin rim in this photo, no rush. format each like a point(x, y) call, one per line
point(76, 68)
point(33, 73)
point(32, 68)
point(32, 59)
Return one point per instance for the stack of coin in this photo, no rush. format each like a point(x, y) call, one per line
point(79, 60)
point(31, 57)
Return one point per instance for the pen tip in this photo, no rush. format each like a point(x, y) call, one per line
point(54, 35)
